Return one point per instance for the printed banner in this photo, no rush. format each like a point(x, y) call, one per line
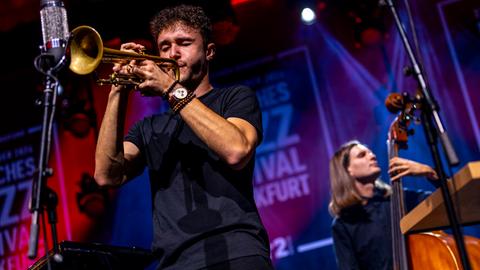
point(290, 185)
point(19, 152)
point(18, 162)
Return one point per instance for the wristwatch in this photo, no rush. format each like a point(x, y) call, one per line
point(179, 94)
point(179, 98)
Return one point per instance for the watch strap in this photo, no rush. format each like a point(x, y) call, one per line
point(169, 89)
point(179, 105)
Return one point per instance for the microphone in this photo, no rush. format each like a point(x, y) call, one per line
point(55, 33)
point(53, 16)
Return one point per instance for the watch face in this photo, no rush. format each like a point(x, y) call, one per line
point(180, 93)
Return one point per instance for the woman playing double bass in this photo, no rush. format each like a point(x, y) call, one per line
point(360, 204)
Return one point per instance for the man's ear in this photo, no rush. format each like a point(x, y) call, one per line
point(211, 51)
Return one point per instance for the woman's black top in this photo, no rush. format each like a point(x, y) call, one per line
point(362, 235)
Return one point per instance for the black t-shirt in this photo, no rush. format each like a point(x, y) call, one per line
point(362, 234)
point(203, 211)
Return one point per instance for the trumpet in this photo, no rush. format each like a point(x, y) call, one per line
point(87, 52)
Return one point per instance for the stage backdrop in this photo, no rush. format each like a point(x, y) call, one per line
point(315, 95)
point(323, 92)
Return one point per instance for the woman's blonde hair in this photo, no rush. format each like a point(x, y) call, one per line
point(342, 185)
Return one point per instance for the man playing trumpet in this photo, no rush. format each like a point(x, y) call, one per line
point(199, 154)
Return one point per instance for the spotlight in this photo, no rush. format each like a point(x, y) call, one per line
point(371, 36)
point(308, 16)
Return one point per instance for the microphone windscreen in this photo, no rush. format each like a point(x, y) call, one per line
point(53, 16)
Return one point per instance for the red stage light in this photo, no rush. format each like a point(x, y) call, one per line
point(239, 2)
point(371, 36)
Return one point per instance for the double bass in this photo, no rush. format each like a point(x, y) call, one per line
point(429, 250)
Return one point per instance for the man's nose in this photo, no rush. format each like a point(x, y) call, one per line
point(174, 53)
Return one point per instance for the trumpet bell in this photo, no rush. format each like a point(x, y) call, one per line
point(86, 50)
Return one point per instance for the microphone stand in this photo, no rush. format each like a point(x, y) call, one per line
point(429, 115)
point(43, 197)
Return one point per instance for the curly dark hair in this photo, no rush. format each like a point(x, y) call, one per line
point(192, 16)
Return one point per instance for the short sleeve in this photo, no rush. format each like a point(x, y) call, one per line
point(242, 102)
point(134, 135)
